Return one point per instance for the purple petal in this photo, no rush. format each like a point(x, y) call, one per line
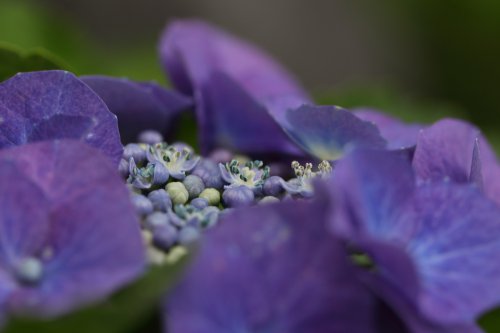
point(231, 118)
point(64, 204)
point(233, 82)
point(138, 106)
point(50, 105)
point(264, 269)
point(433, 243)
point(456, 150)
point(398, 134)
point(444, 150)
point(327, 131)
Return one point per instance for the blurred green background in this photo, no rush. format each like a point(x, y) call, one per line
point(418, 59)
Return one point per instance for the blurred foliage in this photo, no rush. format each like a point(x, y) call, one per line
point(460, 40)
point(125, 311)
point(29, 26)
point(13, 60)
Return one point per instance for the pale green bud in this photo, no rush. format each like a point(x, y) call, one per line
point(178, 193)
point(211, 195)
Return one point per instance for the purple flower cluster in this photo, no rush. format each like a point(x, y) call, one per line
point(382, 226)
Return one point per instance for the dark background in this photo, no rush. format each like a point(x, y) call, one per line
point(418, 58)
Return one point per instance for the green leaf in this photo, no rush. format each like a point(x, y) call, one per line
point(123, 312)
point(13, 60)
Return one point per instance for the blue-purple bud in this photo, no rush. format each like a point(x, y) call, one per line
point(273, 187)
point(156, 220)
point(135, 151)
point(194, 185)
point(209, 172)
point(150, 137)
point(161, 200)
point(199, 203)
point(123, 168)
point(238, 196)
point(188, 235)
point(165, 237)
point(143, 206)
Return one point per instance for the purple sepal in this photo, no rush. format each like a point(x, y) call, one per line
point(326, 132)
point(139, 106)
point(50, 105)
point(264, 269)
point(397, 134)
point(432, 243)
point(65, 207)
point(236, 87)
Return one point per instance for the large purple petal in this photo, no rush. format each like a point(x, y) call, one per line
point(231, 118)
point(327, 131)
point(200, 57)
point(270, 269)
point(138, 106)
point(65, 207)
point(398, 134)
point(51, 105)
point(433, 243)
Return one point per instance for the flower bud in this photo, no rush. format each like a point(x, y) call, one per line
point(199, 203)
point(143, 205)
point(133, 150)
point(178, 193)
point(194, 185)
point(273, 187)
point(211, 195)
point(150, 137)
point(161, 200)
point(188, 235)
point(156, 220)
point(238, 196)
point(160, 174)
point(209, 172)
point(165, 237)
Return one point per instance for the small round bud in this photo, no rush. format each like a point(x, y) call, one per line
point(165, 236)
point(188, 235)
point(199, 203)
point(143, 205)
point(273, 187)
point(238, 196)
point(178, 193)
point(150, 137)
point(161, 200)
point(123, 168)
point(194, 185)
point(156, 220)
point(211, 195)
point(133, 150)
point(268, 199)
point(209, 172)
